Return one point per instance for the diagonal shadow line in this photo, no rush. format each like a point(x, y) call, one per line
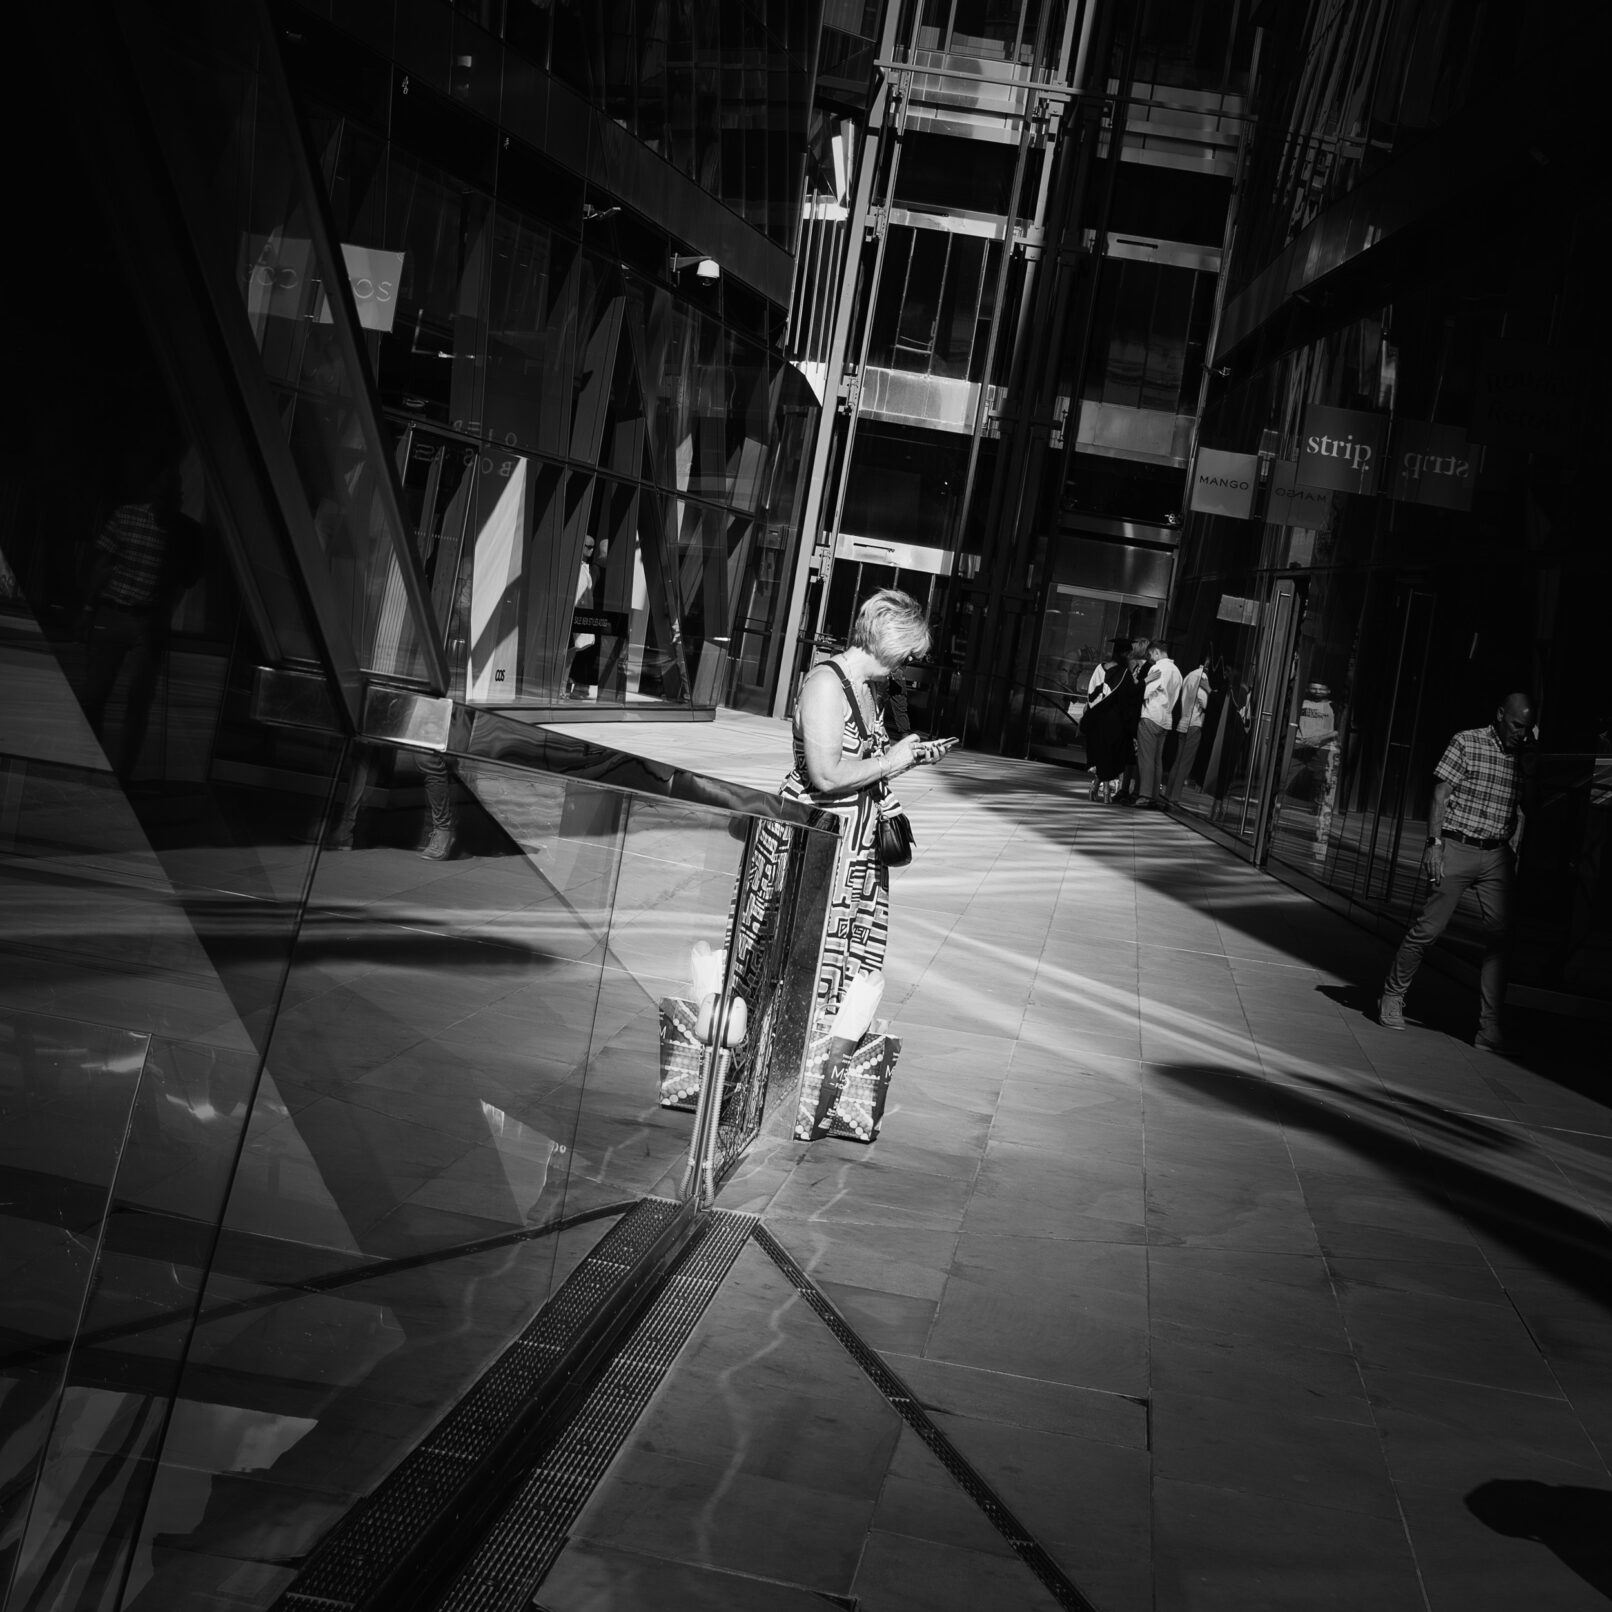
point(907, 1406)
point(1569, 1243)
point(330, 1282)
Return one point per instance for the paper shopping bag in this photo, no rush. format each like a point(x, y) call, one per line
point(843, 1090)
point(681, 1054)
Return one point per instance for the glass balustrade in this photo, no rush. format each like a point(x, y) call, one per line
point(297, 1139)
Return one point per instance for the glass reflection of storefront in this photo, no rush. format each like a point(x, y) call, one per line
point(610, 512)
point(716, 90)
point(1423, 539)
point(299, 1129)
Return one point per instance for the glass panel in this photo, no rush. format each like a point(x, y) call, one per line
point(905, 485)
point(154, 848)
point(959, 303)
point(952, 172)
point(461, 1094)
point(223, 119)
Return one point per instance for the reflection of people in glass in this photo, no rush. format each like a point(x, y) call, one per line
point(894, 706)
point(146, 554)
point(1589, 865)
point(583, 680)
point(1230, 718)
point(437, 777)
point(1193, 705)
point(1313, 744)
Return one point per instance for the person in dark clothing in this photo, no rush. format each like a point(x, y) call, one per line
point(893, 706)
point(1231, 724)
point(1104, 680)
point(1110, 726)
point(146, 554)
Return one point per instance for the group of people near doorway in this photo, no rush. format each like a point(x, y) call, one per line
point(1146, 722)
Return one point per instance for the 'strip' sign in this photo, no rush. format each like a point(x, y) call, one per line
point(1432, 465)
point(1342, 449)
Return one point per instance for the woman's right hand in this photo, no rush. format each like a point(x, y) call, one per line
point(903, 755)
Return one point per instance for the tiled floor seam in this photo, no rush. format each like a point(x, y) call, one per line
point(1030, 1551)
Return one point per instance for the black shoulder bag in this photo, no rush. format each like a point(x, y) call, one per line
point(893, 839)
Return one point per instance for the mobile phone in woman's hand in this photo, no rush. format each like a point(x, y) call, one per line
point(930, 750)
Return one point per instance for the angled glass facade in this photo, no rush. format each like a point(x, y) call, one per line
point(603, 442)
point(297, 1128)
point(1373, 308)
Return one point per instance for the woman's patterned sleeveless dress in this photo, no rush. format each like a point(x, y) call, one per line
point(859, 894)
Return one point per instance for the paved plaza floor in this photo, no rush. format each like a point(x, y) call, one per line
point(1236, 1299)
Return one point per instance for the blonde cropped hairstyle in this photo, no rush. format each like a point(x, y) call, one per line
point(891, 626)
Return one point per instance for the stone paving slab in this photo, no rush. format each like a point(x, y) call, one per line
point(1239, 1299)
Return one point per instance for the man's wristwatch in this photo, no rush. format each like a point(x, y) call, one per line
point(1432, 840)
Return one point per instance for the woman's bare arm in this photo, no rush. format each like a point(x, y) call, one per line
point(822, 714)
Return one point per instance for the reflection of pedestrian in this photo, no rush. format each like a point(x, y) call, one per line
point(1314, 742)
point(893, 706)
point(438, 781)
point(1472, 827)
point(583, 679)
point(146, 554)
point(1193, 705)
point(1590, 863)
point(1159, 689)
point(1229, 719)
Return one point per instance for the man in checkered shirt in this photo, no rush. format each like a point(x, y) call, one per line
point(1473, 826)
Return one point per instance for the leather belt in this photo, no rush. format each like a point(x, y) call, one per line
point(1473, 840)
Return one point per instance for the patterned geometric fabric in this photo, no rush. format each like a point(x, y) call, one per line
point(859, 896)
point(134, 536)
point(1487, 781)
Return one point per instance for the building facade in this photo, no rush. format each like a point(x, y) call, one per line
point(1034, 202)
point(1402, 381)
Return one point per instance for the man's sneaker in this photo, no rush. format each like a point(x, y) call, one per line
point(1391, 1011)
point(438, 847)
point(1491, 1041)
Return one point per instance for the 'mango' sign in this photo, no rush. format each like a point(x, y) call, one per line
point(1224, 483)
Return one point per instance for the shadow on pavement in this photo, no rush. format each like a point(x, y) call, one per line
point(1569, 1243)
point(1573, 1523)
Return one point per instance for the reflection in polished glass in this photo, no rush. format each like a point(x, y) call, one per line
point(616, 437)
point(239, 161)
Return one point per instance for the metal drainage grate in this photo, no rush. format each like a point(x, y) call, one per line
point(526, 1538)
point(1033, 1555)
point(355, 1559)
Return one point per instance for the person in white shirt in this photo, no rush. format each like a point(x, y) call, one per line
point(1159, 690)
point(1189, 730)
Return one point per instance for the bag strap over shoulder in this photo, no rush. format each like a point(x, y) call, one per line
point(850, 695)
point(881, 790)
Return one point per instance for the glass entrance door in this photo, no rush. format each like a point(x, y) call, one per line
point(860, 573)
point(1387, 869)
point(1246, 740)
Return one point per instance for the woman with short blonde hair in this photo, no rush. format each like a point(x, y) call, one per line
point(837, 768)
